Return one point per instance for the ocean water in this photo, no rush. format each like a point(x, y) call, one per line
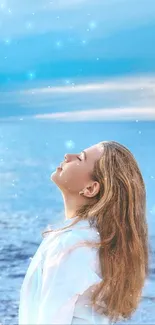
point(30, 150)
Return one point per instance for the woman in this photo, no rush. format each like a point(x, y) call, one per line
point(92, 269)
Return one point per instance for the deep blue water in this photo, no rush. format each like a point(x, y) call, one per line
point(29, 152)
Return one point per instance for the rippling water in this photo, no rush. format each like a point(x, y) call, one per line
point(29, 152)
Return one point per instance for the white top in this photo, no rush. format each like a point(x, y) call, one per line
point(56, 287)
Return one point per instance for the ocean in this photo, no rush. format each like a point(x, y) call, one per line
point(30, 150)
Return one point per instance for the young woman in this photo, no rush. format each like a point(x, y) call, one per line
point(92, 269)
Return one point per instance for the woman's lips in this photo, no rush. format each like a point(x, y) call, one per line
point(59, 168)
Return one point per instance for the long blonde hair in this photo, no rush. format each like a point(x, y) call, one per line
point(119, 214)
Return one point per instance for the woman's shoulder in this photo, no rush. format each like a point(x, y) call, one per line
point(78, 231)
point(72, 235)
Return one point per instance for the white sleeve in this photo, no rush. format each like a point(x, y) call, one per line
point(64, 278)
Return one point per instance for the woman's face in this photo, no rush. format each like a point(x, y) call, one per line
point(76, 169)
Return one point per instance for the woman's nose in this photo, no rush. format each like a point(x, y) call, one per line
point(68, 157)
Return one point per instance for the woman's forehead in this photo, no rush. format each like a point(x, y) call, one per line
point(95, 150)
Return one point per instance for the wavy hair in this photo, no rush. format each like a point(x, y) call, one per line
point(119, 214)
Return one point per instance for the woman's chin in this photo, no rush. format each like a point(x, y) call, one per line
point(55, 175)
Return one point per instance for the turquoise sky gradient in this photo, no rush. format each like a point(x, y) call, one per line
point(72, 42)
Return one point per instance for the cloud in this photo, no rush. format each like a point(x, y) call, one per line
point(130, 113)
point(119, 94)
point(115, 84)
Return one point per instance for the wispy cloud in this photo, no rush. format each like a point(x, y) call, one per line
point(130, 113)
point(123, 95)
point(117, 84)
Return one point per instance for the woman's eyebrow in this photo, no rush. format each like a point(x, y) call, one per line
point(85, 156)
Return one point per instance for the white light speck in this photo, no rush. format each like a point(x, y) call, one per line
point(59, 44)
point(136, 120)
point(67, 82)
point(28, 25)
point(69, 144)
point(139, 132)
point(92, 25)
point(31, 75)
point(7, 41)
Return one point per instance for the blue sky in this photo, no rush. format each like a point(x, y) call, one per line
point(67, 43)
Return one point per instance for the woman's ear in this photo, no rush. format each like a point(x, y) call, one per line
point(92, 189)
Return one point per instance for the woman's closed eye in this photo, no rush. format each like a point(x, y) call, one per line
point(79, 158)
